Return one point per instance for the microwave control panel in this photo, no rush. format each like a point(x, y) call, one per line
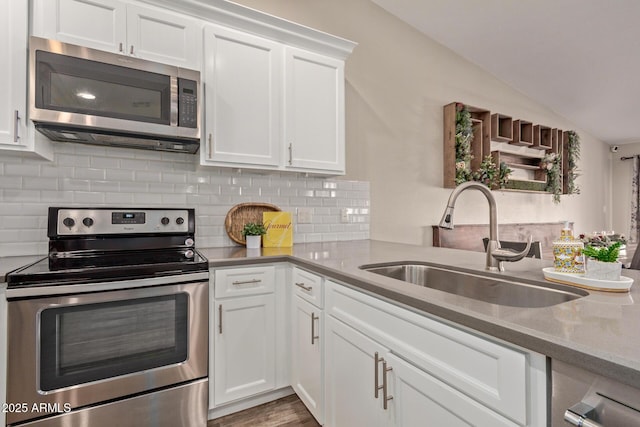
point(187, 103)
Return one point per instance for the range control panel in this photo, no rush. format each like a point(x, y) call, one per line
point(96, 221)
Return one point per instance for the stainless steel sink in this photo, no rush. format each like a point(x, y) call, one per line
point(477, 287)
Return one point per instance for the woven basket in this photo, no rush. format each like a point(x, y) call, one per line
point(243, 213)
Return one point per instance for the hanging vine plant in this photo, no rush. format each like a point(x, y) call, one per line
point(552, 163)
point(464, 137)
point(573, 155)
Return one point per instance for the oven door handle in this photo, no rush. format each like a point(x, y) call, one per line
point(578, 415)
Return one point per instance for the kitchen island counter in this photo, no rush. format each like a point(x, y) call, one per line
point(598, 332)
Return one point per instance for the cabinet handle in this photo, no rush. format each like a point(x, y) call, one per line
point(302, 286)
point(313, 328)
point(290, 154)
point(246, 282)
point(220, 319)
point(16, 127)
point(131, 50)
point(376, 378)
point(209, 144)
point(121, 48)
point(385, 397)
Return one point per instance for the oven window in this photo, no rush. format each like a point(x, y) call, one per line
point(76, 85)
point(80, 344)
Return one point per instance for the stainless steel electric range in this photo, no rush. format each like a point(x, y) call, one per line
point(111, 328)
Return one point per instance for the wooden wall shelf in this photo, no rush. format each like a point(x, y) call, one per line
point(528, 141)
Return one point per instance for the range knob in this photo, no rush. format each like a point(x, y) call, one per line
point(69, 222)
point(189, 253)
point(88, 222)
point(179, 220)
point(164, 220)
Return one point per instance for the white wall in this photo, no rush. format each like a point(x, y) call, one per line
point(397, 82)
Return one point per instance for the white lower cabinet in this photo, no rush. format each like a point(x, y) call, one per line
point(307, 347)
point(243, 334)
point(426, 372)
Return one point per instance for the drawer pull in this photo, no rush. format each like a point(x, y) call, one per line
point(385, 396)
point(302, 286)
point(246, 282)
point(314, 337)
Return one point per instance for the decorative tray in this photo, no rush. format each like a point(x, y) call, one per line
point(243, 213)
point(579, 280)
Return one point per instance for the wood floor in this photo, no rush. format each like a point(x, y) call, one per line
point(288, 411)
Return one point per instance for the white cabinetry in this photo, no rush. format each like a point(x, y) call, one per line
point(243, 86)
point(314, 111)
point(422, 365)
point(271, 106)
point(118, 26)
point(243, 334)
point(307, 341)
point(15, 134)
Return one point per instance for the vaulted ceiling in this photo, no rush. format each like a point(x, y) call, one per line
point(580, 58)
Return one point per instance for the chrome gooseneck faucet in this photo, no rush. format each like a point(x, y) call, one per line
point(495, 254)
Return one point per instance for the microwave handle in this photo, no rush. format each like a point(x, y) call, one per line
point(578, 413)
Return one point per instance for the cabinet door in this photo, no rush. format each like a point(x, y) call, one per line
point(306, 359)
point(314, 111)
point(420, 400)
point(244, 347)
point(164, 37)
point(243, 89)
point(350, 378)
point(96, 24)
point(13, 83)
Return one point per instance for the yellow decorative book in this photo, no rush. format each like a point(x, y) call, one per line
point(279, 230)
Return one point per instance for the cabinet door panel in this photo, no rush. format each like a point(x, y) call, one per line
point(13, 48)
point(164, 37)
point(244, 347)
point(99, 25)
point(349, 378)
point(306, 369)
point(242, 97)
point(420, 400)
point(314, 111)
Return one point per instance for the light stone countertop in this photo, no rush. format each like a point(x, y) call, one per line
point(599, 332)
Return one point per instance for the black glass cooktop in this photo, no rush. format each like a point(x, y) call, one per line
point(94, 267)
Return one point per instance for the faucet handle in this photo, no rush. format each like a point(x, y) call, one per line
point(511, 255)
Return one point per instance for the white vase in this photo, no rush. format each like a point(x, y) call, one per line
point(603, 270)
point(253, 242)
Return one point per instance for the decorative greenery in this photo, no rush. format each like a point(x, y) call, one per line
point(253, 229)
point(604, 253)
point(551, 163)
point(573, 155)
point(464, 136)
point(491, 175)
point(600, 240)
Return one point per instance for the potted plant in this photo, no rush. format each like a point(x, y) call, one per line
point(252, 232)
point(602, 262)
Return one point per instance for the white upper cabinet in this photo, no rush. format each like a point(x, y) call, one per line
point(15, 133)
point(243, 85)
point(314, 105)
point(131, 29)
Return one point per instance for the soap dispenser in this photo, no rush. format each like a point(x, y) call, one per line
point(567, 252)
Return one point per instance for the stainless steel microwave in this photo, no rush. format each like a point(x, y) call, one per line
point(77, 94)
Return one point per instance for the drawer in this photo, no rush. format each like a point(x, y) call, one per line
point(486, 371)
point(307, 286)
point(233, 282)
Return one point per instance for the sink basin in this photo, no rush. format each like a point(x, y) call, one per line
point(477, 287)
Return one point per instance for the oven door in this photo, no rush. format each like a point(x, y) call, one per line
point(70, 351)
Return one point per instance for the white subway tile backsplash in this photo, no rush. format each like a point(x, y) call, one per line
point(83, 175)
